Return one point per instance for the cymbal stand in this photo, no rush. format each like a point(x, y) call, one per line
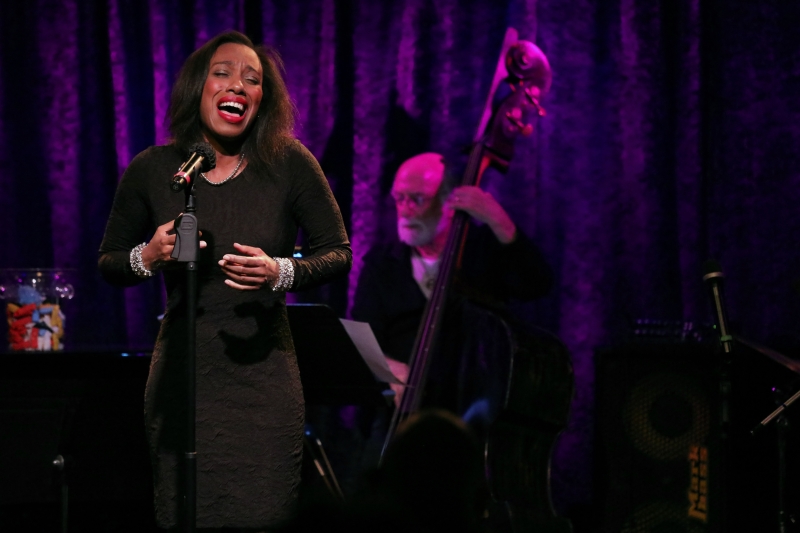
point(781, 428)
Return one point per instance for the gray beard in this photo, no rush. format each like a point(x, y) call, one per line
point(416, 238)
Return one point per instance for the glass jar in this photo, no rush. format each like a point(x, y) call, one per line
point(33, 298)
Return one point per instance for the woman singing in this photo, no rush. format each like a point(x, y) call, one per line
point(266, 185)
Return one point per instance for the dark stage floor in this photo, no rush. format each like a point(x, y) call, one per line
point(649, 400)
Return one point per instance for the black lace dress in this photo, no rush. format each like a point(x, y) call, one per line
point(250, 411)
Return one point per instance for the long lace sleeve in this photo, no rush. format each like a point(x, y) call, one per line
point(128, 225)
point(317, 213)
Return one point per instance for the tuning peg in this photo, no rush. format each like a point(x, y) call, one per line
point(532, 93)
point(514, 117)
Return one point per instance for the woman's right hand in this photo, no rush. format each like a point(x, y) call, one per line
point(158, 251)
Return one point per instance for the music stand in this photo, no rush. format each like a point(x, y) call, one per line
point(333, 373)
point(331, 367)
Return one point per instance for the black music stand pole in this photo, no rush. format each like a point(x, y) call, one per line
point(186, 250)
point(333, 373)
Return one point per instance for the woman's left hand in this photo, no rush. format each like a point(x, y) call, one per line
point(251, 270)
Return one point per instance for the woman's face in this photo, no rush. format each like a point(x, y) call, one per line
point(232, 92)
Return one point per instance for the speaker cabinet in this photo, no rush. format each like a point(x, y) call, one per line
point(657, 444)
point(662, 461)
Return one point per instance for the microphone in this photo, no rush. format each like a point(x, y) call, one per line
point(203, 159)
point(714, 277)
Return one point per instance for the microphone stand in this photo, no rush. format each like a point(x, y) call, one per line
point(714, 277)
point(186, 250)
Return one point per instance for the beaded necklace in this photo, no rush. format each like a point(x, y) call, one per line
point(233, 174)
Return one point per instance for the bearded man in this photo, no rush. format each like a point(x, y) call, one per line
point(499, 262)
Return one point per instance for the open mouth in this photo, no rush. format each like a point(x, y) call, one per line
point(232, 110)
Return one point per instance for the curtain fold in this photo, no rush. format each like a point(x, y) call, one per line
point(375, 46)
point(60, 63)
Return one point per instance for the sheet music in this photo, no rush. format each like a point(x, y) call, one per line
point(364, 339)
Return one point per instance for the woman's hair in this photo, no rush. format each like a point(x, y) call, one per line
point(272, 130)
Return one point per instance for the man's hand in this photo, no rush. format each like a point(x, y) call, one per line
point(400, 371)
point(482, 206)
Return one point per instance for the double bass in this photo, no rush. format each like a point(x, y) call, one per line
point(519, 379)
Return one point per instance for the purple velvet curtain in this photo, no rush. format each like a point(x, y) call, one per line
point(671, 137)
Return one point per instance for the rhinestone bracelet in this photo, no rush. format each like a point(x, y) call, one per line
point(137, 264)
point(285, 275)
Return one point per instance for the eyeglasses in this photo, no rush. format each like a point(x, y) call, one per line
point(415, 199)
